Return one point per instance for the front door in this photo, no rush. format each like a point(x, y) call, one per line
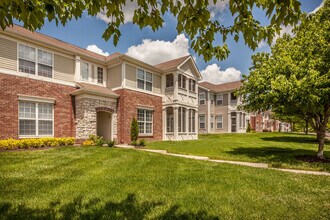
point(104, 125)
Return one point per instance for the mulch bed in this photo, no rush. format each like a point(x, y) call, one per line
point(312, 159)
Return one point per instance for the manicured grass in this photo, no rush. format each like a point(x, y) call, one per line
point(100, 182)
point(276, 149)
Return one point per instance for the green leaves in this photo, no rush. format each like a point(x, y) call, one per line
point(193, 18)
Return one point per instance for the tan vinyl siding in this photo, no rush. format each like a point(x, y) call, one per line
point(63, 68)
point(156, 84)
point(114, 77)
point(8, 54)
point(130, 76)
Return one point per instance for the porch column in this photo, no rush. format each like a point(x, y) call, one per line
point(164, 123)
point(229, 122)
point(196, 122)
point(176, 88)
point(237, 122)
point(208, 115)
point(176, 121)
point(163, 84)
point(187, 120)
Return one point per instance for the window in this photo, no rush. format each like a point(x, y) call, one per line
point(233, 97)
point(145, 121)
point(169, 80)
point(100, 75)
point(182, 120)
point(219, 121)
point(192, 85)
point(34, 61)
point(212, 121)
point(201, 121)
point(144, 80)
point(202, 98)
point(84, 71)
point(35, 119)
point(182, 81)
point(212, 99)
point(169, 119)
point(192, 120)
point(219, 99)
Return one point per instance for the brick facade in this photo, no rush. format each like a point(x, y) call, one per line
point(128, 104)
point(11, 86)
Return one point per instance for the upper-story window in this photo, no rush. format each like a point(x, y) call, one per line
point(202, 98)
point(192, 85)
point(144, 80)
point(219, 99)
point(84, 71)
point(212, 99)
point(182, 81)
point(99, 75)
point(32, 61)
point(233, 97)
point(169, 80)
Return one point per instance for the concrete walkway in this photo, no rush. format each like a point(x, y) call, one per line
point(249, 164)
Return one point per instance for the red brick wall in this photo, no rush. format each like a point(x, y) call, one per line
point(128, 103)
point(11, 86)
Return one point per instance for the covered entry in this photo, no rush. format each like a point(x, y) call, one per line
point(104, 123)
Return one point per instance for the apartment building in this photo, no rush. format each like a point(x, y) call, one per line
point(50, 88)
point(263, 122)
point(218, 109)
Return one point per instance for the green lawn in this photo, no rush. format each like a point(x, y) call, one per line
point(101, 182)
point(276, 149)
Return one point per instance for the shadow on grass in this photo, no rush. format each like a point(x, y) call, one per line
point(79, 208)
point(298, 139)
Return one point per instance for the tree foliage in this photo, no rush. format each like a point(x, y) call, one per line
point(193, 18)
point(294, 79)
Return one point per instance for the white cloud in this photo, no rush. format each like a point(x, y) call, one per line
point(215, 75)
point(154, 52)
point(96, 49)
point(262, 44)
point(284, 30)
point(317, 8)
point(218, 7)
point(128, 10)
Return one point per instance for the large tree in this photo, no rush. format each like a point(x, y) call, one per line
point(193, 17)
point(294, 79)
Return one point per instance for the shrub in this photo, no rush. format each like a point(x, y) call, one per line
point(88, 143)
point(142, 142)
point(248, 129)
point(134, 131)
point(97, 140)
point(111, 143)
point(134, 143)
point(28, 143)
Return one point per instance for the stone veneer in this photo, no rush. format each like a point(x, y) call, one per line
point(86, 115)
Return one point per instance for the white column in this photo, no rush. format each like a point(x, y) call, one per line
point(176, 88)
point(208, 113)
point(123, 75)
point(176, 121)
point(196, 123)
point(164, 123)
point(229, 122)
point(187, 87)
point(187, 120)
point(237, 122)
point(77, 69)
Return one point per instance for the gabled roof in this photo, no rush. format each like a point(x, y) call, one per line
point(221, 87)
point(94, 89)
point(171, 63)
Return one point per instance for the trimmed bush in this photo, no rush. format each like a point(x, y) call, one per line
point(88, 143)
point(134, 131)
point(248, 129)
point(111, 143)
point(142, 142)
point(28, 143)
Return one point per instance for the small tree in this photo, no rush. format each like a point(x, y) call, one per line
point(134, 130)
point(248, 129)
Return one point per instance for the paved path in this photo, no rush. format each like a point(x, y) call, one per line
point(249, 164)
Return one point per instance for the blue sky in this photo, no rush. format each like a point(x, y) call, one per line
point(165, 43)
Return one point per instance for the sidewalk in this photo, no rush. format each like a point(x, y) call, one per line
point(249, 164)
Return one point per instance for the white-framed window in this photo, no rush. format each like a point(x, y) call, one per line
point(219, 99)
point(201, 121)
point(219, 121)
point(35, 61)
point(182, 81)
point(35, 119)
point(84, 71)
point(202, 98)
point(192, 120)
point(144, 80)
point(145, 121)
point(182, 119)
point(99, 75)
point(169, 80)
point(212, 121)
point(192, 85)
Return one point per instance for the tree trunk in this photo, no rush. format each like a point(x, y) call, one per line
point(306, 128)
point(321, 139)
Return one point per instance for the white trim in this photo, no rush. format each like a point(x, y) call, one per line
point(35, 99)
point(139, 90)
point(90, 96)
point(144, 80)
point(145, 121)
point(123, 75)
point(151, 108)
point(26, 75)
